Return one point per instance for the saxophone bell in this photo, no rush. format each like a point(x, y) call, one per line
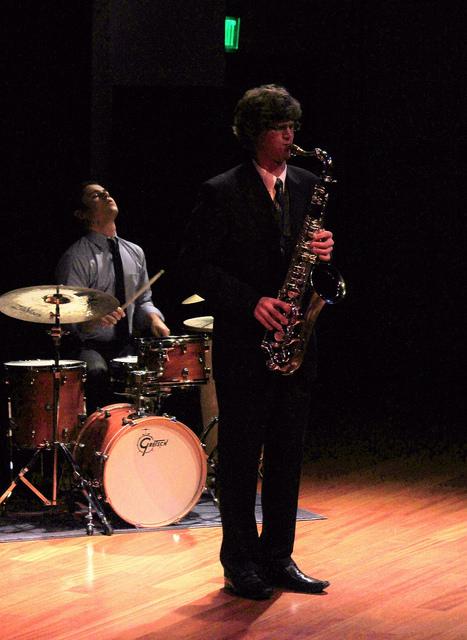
point(328, 283)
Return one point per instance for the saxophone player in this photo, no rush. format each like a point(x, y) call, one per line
point(237, 249)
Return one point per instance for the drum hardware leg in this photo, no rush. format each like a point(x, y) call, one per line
point(88, 491)
point(85, 486)
point(55, 471)
point(21, 477)
point(207, 430)
point(89, 521)
point(211, 460)
point(211, 476)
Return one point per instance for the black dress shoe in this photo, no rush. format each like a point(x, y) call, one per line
point(247, 583)
point(288, 576)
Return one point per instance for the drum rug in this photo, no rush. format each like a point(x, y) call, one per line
point(19, 522)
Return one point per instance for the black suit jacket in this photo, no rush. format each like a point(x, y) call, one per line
point(232, 255)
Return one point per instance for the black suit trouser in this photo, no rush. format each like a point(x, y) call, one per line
point(259, 409)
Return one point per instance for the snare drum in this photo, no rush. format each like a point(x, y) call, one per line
point(152, 469)
point(174, 360)
point(120, 374)
point(128, 379)
point(31, 394)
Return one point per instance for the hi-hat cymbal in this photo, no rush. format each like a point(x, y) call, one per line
point(38, 304)
point(202, 323)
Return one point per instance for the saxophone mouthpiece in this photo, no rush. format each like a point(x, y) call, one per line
point(295, 150)
point(320, 154)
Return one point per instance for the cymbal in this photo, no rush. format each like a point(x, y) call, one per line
point(38, 304)
point(202, 323)
point(192, 299)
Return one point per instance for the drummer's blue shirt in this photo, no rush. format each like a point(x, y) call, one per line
point(88, 263)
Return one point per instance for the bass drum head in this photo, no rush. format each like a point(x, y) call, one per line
point(155, 471)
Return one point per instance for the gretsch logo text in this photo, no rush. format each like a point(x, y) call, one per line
point(146, 443)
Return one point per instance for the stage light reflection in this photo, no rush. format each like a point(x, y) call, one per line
point(90, 565)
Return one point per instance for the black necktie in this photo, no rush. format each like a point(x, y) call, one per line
point(121, 329)
point(279, 205)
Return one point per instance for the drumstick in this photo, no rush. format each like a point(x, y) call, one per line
point(142, 289)
point(90, 324)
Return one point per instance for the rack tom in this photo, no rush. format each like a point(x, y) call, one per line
point(174, 360)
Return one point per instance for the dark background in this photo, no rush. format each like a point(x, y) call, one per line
point(140, 95)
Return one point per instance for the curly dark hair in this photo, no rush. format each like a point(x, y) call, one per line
point(259, 108)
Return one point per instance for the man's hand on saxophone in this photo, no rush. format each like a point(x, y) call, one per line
point(270, 313)
point(322, 244)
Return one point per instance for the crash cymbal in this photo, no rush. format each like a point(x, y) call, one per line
point(38, 304)
point(192, 299)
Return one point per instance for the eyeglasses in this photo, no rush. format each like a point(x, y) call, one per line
point(283, 126)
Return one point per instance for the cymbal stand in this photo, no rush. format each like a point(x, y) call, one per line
point(145, 398)
point(85, 485)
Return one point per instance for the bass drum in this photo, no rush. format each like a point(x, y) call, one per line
point(152, 469)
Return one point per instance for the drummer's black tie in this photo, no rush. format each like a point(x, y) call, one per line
point(281, 209)
point(121, 329)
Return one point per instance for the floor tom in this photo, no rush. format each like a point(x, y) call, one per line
point(30, 389)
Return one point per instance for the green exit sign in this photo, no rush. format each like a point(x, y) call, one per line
point(232, 33)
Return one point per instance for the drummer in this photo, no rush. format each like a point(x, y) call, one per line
point(102, 260)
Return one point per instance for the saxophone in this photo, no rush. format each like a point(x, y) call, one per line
point(308, 286)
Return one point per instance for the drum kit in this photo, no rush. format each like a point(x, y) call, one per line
point(149, 467)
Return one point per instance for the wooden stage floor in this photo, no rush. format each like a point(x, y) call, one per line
point(393, 547)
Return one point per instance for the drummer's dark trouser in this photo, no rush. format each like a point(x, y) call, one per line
point(97, 356)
